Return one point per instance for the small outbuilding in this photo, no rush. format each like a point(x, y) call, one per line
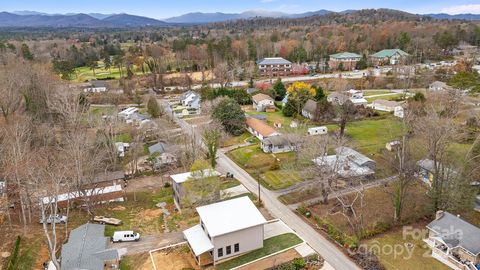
point(317, 130)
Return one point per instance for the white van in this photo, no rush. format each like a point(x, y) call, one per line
point(125, 236)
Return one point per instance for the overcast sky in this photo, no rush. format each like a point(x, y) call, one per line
point(166, 8)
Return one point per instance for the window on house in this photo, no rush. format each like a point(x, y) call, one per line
point(228, 250)
point(236, 247)
point(220, 252)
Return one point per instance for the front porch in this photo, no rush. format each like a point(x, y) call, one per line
point(200, 245)
point(448, 256)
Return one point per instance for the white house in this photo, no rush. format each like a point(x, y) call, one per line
point(352, 93)
point(96, 87)
point(179, 179)
point(276, 144)
point(260, 129)
point(385, 105)
point(261, 102)
point(226, 229)
point(347, 163)
point(339, 98)
point(190, 100)
point(399, 111)
point(121, 148)
point(317, 130)
point(128, 112)
point(438, 86)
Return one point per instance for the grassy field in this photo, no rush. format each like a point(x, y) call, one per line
point(275, 117)
point(370, 136)
point(83, 74)
point(270, 246)
point(405, 258)
point(390, 97)
point(234, 140)
point(372, 93)
point(262, 166)
point(280, 179)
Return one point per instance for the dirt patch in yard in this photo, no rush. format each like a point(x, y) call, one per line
point(177, 259)
point(273, 260)
point(149, 214)
point(42, 257)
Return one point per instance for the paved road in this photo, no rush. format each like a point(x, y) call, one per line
point(324, 247)
point(149, 242)
point(329, 251)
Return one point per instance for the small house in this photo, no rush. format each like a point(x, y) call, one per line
point(159, 148)
point(454, 242)
point(310, 109)
point(347, 163)
point(317, 130)
point(96, 86)
point(226, 229)
point(190, 100)
point(87, 248)
point(261, 102)
point(385, 105)
point(260, 129)
point(393, 145)
point(121, 148)
point(352, 93)
point(438, 86)
point(276, 144)
point(178, 180)
point(399, 111)
point(426, 171)
point(128, 112)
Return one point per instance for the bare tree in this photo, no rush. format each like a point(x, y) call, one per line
point(12, 80)
point(345, 113)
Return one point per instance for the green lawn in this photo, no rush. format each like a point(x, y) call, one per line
point(83, 74)
point(405, 258)
point(270, 246)
point(372, 93)
point(275, 117)
point(234, 140)
point(28, 252)
point(280, 179)
point(262, 166)
point(123, 137)
point(390, 97)
point(370, 136)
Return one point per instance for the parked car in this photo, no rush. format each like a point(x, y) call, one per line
point(107, 220)
point(55, 218)
point(125, 236)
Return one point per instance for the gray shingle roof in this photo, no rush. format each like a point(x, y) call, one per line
point(455, 231)
point(273, 61)
point(277, 140)
point(108, 176)
point(354, 156)
point(83, 248)
point(157, 148)
point(310, 106)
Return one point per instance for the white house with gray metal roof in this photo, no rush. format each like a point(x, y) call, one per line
point(274, 66)
point(227, 229)
point(454, 241)
point(347, 163)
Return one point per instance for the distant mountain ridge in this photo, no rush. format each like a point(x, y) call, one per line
point(33, 19)
point(38, 19)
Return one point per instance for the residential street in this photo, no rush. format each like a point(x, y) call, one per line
point(324, 247)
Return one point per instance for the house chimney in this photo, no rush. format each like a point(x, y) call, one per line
point(439, 214)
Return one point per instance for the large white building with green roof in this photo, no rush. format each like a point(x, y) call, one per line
point(344, 60)
point(389, 57)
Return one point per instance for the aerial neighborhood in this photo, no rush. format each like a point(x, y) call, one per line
point(321, 140)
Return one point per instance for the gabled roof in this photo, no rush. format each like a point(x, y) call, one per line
point(230, 216)
point(389, 53)
point(276, 141)
point(157, 148)
point(260, 126)
point(259, 97)
point(455, 231)
point(87, 248)
point(310, 106)
point(438, 84)
point(353, 155)
point(273, 61)
point(345, 55)
point(182, 177)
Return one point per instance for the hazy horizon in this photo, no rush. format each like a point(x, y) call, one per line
point(167, 9)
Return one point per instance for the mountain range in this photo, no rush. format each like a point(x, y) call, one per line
point(90, 20)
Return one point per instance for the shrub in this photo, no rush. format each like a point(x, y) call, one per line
point(166, 185)
point(299, 263)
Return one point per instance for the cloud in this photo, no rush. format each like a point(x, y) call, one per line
point(267, 1)
point(474, 8)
